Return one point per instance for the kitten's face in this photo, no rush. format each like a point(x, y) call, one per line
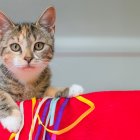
point(27, 48)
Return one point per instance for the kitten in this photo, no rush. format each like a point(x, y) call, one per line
point(25, 52)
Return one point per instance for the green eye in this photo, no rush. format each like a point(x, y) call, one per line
point(38, 46)
point(15, 47)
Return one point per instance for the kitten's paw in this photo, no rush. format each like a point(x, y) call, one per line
point(12, 122)
point(75, 90)
point(62, 93)
point(72, 91)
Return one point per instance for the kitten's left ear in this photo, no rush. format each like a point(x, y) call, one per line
point(47, 19)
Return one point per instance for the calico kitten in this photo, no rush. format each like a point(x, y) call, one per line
point(25, 52)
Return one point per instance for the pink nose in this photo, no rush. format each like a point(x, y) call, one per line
point(28, 59)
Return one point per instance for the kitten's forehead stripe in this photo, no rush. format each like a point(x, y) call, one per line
point(26, 30)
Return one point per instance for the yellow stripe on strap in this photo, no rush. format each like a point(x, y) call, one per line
point(33, 104)
point(12, 136)
point(78, 120)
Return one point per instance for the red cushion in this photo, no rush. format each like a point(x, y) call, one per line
point(116, 117)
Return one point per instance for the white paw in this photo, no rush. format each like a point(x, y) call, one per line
point(75, 90)
point(12, 122)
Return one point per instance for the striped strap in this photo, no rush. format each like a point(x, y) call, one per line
point(78, 120)
point(37, 135)
point(35, 116)
point(59, 117)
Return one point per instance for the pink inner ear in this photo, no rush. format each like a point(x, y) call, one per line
point(48, 18)
point(2, 20)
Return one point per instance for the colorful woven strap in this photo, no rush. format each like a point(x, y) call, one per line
point(78, 120)
point(43, 119)
point(51, 115)
point(59, 117)
point(35, 116)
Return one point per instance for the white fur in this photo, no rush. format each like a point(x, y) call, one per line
point(13, 122)
point(75, 90)
point(17, 61)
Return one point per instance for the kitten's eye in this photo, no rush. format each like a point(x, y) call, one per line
point(15, 47)
point(38, 46)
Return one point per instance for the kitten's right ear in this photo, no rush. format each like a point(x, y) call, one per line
point(5, 24)
point(47, 19)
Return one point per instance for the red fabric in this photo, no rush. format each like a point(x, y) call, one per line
point(116, 117)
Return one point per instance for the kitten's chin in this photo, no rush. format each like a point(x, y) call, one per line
point(27, 74)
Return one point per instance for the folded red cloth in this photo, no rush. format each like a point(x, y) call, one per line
point(116, 116)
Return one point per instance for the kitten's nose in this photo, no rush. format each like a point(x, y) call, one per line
point(28, 59)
